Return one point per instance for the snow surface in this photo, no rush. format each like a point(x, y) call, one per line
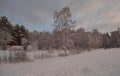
point(95, 63)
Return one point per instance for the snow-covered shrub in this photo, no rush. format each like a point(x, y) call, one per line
point(20, 56)
point(32, 55)
point(62, 53)
point(7, 56)
point(30, 48)
point(20, 48)
point(24, 43)
point(4, 56)
point(45, 56)
point(15, 48)
point(41, 54)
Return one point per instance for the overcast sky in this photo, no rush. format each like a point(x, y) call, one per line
point(38, 14)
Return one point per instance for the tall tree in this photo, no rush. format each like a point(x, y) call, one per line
point(95, 39)
point(5, 31)
point(5, 24)
point(115, 38)
point(63, 22)
point(106, 40)
point(19, 32)
point(81, 39)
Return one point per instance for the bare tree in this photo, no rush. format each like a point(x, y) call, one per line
point(63, 23)
point(95, 39)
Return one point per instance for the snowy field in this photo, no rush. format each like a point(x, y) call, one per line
point(95, 63)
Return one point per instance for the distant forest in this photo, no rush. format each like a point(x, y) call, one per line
point(63, 36)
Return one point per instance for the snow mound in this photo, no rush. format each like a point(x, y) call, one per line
point(96, 63)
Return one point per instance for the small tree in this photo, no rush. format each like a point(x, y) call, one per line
point(24, 43)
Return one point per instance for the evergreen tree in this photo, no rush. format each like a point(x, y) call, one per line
point(106, 40)
point(5, 32)
point(19, 32)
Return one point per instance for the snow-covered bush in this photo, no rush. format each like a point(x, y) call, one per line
point(24, 43)
point(30, 48)
point(15, 48)
point(7, 56)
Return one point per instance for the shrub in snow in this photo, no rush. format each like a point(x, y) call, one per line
point(13, 56)
point(30, 48)
point(16, 48)
point(61, 53)
point(41, 54)
point(24, 43)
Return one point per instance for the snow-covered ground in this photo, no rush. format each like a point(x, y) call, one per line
point(95, 63)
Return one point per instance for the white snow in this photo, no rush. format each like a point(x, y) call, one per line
point(95, 63)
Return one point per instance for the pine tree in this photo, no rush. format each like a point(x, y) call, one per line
point(19, 32)
point(5, 32)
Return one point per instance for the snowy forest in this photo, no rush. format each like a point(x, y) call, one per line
point(59, 37)
point(63, 37)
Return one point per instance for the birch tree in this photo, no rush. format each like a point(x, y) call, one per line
point(63, 23)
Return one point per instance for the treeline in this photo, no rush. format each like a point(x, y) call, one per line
point(63, 36)
point(75, 39)
point(11, 34)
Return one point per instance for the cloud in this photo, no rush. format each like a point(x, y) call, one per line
point(89, 14)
